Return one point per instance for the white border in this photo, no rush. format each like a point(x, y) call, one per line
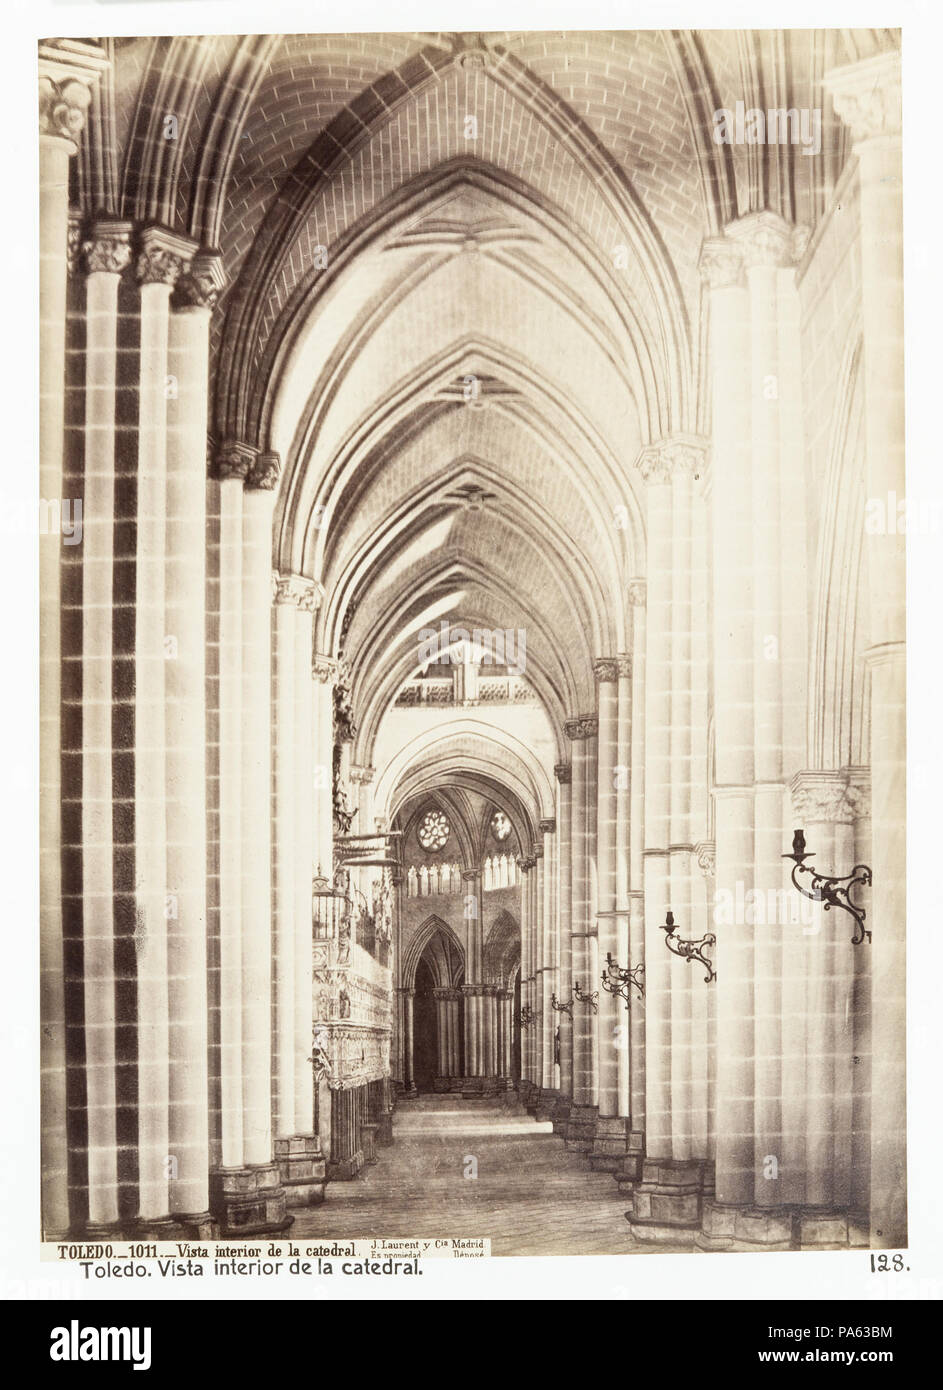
point(836, 1275)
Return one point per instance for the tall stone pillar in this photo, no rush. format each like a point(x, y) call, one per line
point(107, 253)
point(768, 245)
point(623, 773)
point(655, 468)
point(561, 1021)
point(406, 997)
point(610, 1134)
point(163, 257)
point(867, 97)
point(668, 1195)
point(536, 964)
point(256, 808)
point(250, 1199)
point(754, 347)
point(472, 989)
point(441, 997)
point(233, 463)
point(733, 661)
point(826, 805)
point(309, 1168)
point(525, 865)
point(66, 73)
point(185, 590)
point(323, 671)
point(283, 1085)
point(637, 596)
point(547, 977)
point(297, 1146)
point(583, 946)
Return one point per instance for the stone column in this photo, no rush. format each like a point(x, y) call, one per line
point(867, 97)
point(768, 246)
point(163, 257)
point(323, 671)
point(492, 1064)
point(610, 1136)
point(66, 73)
point(233, 463)
point(668, 1194)
point(524, 866)
point(733, 660)
point(406, 997)
point(441, 997)
point(107, 253)
point(455, 1035)
point(297, 1147)
point(583, 1112)
point(307, 1162)
point(471, 878)
point(826, 805)
point(536, 963)
point(637, 595)
point(185, 589)
point(564, 977)
point(256, 807)
point(251, 1198)
point(654, 465)
point(287, 594)
point(623, 850)
point(547, 967)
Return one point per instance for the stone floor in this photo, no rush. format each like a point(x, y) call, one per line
point(530, 1197)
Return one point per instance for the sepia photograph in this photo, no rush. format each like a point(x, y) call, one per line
point(471, 772)
point(472, 639)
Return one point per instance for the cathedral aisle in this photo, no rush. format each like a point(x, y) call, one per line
point(530, 1197)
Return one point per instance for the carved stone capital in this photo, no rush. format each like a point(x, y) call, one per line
point(563, 773)
point(263, 476)
point(107, 249)
point(706, 854)
point(547, 826)
point(721, 264)
point(867, 96)
point(362, 776)
point(323, 669)
point(234, 460)
point(679, 454)
point(201, 284)
point(637, 593)
point(299, 591)
point(766, 239)
point(583, 726)
point(606, 669)
point(68, 69)
point(832, 797)
point(163, 256)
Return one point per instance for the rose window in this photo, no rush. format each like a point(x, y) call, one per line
point(433, 830)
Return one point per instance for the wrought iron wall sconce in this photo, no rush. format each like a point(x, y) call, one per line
point(617, 981)
point(831, 890)
point(589, 999)
point(561, 1008)
point(689, 950)
point(528, 1017)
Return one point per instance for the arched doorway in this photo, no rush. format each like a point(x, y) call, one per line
point(426, 1034)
